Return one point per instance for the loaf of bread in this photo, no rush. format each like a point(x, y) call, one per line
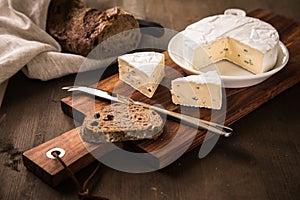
point(79, 29)
point(122, 122)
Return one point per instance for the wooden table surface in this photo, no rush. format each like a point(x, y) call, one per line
point(261, 161)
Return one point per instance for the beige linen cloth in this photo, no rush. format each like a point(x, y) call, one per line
point(25, 45)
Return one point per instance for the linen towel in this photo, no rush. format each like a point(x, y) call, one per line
point(26, 46)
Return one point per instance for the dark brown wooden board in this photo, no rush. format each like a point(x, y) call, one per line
point(77, 155)
point(240, 101)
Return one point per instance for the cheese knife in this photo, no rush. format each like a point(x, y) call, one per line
point(200, 123)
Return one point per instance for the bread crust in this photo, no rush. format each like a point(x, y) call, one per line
point(79, 29)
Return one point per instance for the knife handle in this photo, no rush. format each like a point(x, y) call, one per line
point(154, 29)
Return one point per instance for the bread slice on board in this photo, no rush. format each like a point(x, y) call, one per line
point(122, 122)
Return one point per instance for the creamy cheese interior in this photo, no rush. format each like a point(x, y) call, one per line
point(198, 90)
point(236, 52)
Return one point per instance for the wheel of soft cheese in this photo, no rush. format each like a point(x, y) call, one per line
point(245, 41)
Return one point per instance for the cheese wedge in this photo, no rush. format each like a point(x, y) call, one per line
point(143, 71)
point(198, 90)
point(245, 41)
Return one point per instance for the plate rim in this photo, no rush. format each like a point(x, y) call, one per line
point(269, 73)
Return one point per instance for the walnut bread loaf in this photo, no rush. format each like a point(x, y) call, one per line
point(79, 29)
point(121, 122)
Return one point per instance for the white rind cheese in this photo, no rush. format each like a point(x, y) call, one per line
point(143, 71)
point(198, 90)
point(245, 41)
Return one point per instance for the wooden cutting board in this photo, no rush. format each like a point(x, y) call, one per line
point(240, 102)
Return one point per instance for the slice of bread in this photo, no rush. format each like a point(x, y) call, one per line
point(122, 122)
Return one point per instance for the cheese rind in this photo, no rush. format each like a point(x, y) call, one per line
point(248, 42)
point(198, 90)
point(143, 71)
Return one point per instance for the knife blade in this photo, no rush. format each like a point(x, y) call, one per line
point(200, 123)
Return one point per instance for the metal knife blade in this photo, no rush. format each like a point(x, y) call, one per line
point(211, 126)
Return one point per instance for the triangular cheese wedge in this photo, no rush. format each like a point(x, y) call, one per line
point(198, 90)
point(143, 71)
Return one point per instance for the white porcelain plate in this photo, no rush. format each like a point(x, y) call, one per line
point(232, 75)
